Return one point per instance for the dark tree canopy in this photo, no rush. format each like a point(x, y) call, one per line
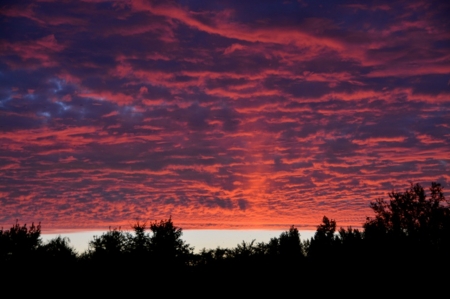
point(166, 242)
point(19, 242)
point(323, 243)
point(140, 243)
point(411, 214)
point(59, 250)
point(112, 244)
point(290, 245)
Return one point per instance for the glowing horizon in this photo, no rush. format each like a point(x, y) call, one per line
point(199, 239)
point(231, 116)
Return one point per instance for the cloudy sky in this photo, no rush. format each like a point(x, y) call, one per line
point(223, 114)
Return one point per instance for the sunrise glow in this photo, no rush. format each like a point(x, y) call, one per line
point(243, 115)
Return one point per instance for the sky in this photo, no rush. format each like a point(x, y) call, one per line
point(197, 239)
point(224, 115)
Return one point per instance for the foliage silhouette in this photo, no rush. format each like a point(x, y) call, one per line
point(410, 232)
point(140, 243)
point(58, 250)
point(411, 219)
point(287, 246)
point(166, 243)
point(324, 242)
point(350, 235)
point(19, 242)
point(245, 249)
point(113, 244)
point(290, 245)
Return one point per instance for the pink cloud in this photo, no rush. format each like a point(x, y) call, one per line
point(68, 159)
point(118, 98)
point(40, 49)
point(233, 48)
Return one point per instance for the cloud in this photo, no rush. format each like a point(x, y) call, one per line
point(222, 117)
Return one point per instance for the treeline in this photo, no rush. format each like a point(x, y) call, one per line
point(410, 231)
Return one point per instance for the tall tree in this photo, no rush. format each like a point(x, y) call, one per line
point(412, 218)
point(166, 243)
point(140, 242)
point(324, 242)
point(289, 244)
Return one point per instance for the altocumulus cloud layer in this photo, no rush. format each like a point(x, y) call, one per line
point(222, 114)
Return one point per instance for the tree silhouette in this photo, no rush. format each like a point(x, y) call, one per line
point(140, 243)
point(111, 245)
point(244, 250)
point(19, 243)
point(411, 217)
point(166, 244)
point(324, 242)
point(410, 232)
point(58, 250)
point(290, 244)
point(350, 243)
point(287, 246)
